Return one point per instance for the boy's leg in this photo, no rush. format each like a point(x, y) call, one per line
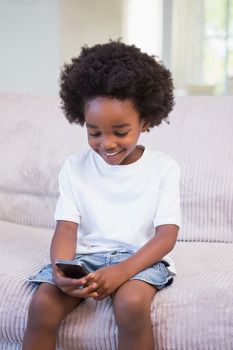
point(48, 308)
point(131, 305)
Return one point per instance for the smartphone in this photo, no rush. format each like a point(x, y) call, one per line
point(71, 269)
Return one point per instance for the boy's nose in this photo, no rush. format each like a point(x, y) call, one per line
point(108, 143)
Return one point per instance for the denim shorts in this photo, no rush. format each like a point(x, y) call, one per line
point(157, 275)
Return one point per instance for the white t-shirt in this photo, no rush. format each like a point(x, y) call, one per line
point(118, 207)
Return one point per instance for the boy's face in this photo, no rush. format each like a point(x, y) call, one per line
point(113, 128)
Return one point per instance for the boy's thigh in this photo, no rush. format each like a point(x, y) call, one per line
point(49, 297)
point(133, 296)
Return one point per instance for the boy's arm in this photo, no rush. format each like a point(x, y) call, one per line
point(153, 251)
point(63, 245)
point(109, 278)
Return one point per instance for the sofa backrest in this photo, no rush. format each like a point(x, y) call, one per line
point(200, 137)
point(35, 139)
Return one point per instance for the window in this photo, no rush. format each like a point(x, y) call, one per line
point(202, 46)
point(218, 44)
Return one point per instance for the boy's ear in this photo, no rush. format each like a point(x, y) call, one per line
point(145, 126)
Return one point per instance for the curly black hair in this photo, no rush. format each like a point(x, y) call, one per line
point(120, 71)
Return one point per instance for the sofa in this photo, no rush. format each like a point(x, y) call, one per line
point(196, 312)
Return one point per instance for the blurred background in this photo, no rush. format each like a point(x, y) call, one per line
point(194, 39)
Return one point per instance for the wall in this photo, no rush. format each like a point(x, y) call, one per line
point(38, 36)
point(88, 22)
point(29, 41)
point(187, 42)
point(143, 23)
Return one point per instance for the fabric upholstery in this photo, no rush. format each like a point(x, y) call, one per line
point(196, 312)
point(200, 138)
point(36, 138)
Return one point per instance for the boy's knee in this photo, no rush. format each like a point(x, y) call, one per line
point(131, 311)
point(42, 311)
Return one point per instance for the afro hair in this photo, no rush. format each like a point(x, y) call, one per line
point(121, 71)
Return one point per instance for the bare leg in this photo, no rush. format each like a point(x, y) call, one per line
point(131, 305)
point(48, 308)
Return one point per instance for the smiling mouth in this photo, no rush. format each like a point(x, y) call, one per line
point(111, 154)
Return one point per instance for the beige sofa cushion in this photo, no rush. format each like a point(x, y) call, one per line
point(200, 138)
point(194, 313)
point(35, 140)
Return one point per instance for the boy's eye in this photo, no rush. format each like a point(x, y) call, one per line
point(97, 134)
point(121, 134)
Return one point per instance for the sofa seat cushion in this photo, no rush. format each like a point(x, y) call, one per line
point(195, 313)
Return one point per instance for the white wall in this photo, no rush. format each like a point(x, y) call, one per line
point(142, 24)
point(187, 42)
point(38, 36)
point(88, 22)
point(29, 44)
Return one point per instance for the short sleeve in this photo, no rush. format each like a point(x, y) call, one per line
point(168, 207)
point(66, 207)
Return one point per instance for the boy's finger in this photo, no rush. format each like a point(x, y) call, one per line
point(90, 277)
point(71, 283)
point(84, 292)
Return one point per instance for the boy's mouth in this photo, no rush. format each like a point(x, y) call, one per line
point(112, 157)
point(111, 154)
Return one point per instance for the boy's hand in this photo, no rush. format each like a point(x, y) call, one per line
point(107, 280)
point(84, 287)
